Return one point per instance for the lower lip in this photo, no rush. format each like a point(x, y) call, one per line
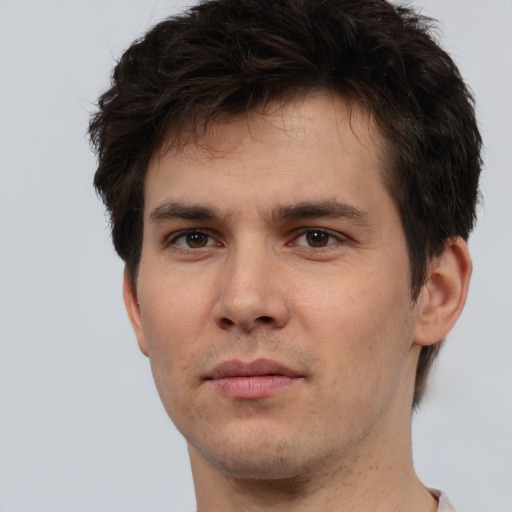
point(254, 387)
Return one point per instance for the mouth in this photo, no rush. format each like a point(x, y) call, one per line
point(257, 379)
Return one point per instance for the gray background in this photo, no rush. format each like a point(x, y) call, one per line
point(81, 426)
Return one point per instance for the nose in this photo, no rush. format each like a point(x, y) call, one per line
point(252, 293)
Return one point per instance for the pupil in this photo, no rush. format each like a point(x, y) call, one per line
point(196, 240)
point(317, 238)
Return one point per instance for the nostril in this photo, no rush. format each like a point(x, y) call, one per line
point(226, 323)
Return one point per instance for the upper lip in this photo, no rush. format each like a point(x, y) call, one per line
point(258, 367)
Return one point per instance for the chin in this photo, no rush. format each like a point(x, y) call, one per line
point(261, 458)
point(243, 468)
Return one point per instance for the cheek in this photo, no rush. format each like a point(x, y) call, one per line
point(361, 328)
point(174, 316)
point(172, 307)
point(172, 352)
point(343, 305)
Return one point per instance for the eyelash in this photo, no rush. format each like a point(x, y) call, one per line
point(333, 238)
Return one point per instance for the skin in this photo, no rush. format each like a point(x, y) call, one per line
point(325, 293)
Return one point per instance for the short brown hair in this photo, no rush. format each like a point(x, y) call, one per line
point(224, 57)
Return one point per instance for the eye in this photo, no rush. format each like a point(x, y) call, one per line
point(193, 240)
point(316, 238)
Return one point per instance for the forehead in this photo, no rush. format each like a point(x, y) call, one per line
point(294, 117)
point(300, 145)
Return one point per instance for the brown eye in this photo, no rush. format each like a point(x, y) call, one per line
point(196, 240)
point(317, 238)
point(193, 240)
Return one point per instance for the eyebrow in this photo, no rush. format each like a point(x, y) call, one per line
point(177, 210)
point(332, 209)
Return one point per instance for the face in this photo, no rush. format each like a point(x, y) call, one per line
point(273, 296)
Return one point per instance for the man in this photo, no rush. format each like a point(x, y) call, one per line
point(291, 185)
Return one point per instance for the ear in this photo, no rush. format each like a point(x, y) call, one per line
point(443, 295)
point(133, 310)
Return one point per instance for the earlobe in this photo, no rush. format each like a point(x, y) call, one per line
point(133, 309)
point(443, 295)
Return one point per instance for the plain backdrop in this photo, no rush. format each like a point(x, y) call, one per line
point(81, 426)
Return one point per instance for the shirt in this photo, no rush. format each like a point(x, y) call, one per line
point(444, 503)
